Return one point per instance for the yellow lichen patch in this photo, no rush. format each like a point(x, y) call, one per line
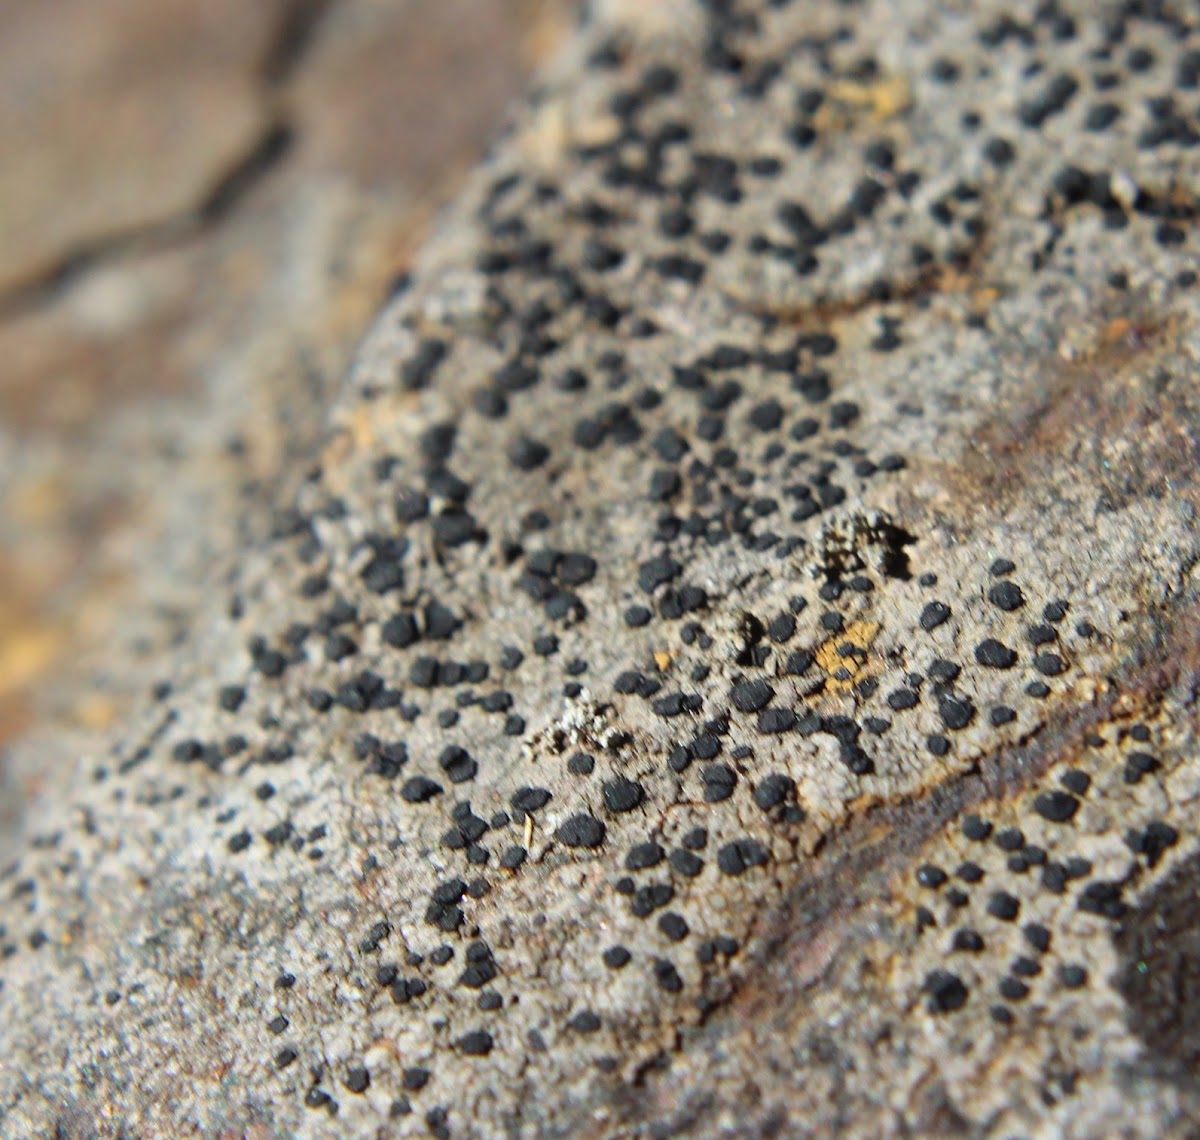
point(1117, 330)
point(884, 98)
point(845, 656)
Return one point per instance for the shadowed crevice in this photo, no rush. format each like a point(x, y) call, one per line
point(1159, 975)
point(224, 196)
point(293, 37)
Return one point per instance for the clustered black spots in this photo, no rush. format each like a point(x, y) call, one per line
point(1024, 872)
point(747, 449)
point(551, 577)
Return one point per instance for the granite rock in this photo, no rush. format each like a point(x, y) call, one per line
point(614, 738)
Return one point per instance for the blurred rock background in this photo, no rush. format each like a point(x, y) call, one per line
point(201, 206)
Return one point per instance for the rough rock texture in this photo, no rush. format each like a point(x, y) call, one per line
point(136, 356)
point(731, 671)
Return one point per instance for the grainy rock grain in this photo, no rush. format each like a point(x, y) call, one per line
point(731, 669)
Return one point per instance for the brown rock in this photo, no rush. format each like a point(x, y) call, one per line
point(120, 116)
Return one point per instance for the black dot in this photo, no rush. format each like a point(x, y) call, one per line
point(477, 1043)
point(969, 872)
point(736, 857)
point(529, 799)
point(1003, 906)
point(933, 615)
point(999, 151)
point(1010, 839)
point(901, 699)
point(581, 764)
point(1013, 989)
point(513, 858)
point(318, 1098)
point(719, 782)
point(1055, 611)
point(946, 991)
point(615, 957)
point(667, 976)
point(1049, 664)
point(956, 712)
point(581, 830)
point(774, 790)
point(585, 1022)
point(414, 1079)
point(1037, 936)
point(230, 697)
point(967, 941)
point(1056, 806)
point(1006, 595)
point(673, 926)
point(767, 416)
point(657, 572)
point(644, 855)
point(1051, 100)
point(774, 721)
point(637, 616)
point(621, 795)
point(1025, 967)
point(994, 654)
point(943, 671)
point(545, 645)
point(1101, 116)
point(527, 454)
point(1137, 765)
point(420, 789)
point(686, 863)
point(1072, 976)
point(751, 696)
point(930, 876)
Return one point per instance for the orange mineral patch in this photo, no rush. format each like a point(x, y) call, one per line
point(845, 657)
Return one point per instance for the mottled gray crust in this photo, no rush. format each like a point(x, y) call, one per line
point(731, 670)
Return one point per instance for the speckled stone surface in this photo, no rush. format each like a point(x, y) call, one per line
point(163, 376)
point(730, 670)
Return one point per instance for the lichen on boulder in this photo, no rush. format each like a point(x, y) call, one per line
point(730, 670)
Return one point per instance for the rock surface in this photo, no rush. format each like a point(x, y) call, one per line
point(730, 670)
point(137, 355)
